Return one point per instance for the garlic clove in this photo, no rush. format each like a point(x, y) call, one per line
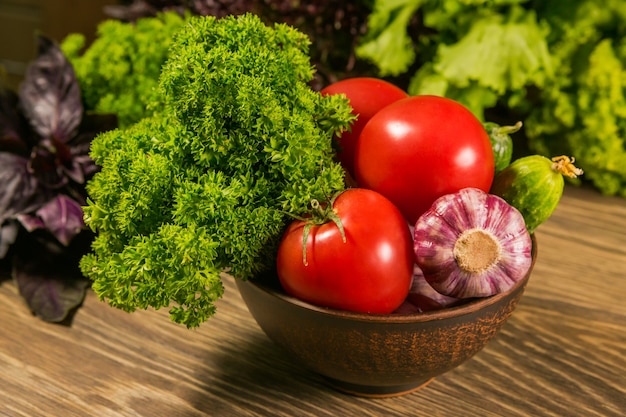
point(423, 297)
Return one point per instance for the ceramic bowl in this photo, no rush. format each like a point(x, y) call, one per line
point(377, 355)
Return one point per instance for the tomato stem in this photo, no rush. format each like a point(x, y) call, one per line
point(326, 214)
point(320, 216)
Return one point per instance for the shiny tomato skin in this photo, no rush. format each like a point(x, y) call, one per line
point(367, 96)
point(370, 272)
point(420, 148)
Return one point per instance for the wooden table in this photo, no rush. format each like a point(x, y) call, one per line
point(562, 353)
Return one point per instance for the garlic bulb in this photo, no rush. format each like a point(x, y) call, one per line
point(472, 244)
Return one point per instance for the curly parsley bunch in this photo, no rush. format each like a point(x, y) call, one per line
point(203, 186)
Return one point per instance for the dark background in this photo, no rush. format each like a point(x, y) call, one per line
point(20, 20)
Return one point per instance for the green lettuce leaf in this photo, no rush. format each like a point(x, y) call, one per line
point(582, 112)
point(388, 44)
point(499, 55)
point(588, 119)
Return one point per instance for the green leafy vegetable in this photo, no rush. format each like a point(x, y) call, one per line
point(387, 43)
point(583, 111)
point(497, 54)
point(119, 71)
point(203, 185)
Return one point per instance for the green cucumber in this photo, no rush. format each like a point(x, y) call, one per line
point(501, 143)
point(534, 185)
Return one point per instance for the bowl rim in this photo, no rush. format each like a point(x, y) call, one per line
point(469, 307)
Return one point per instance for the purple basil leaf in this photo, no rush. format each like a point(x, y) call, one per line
point(30, 222)
point(63, 217)
point(80, 166)
point(75, 172)
point(21, 192)
point(80, 169)
point(44, 165)
point(87, 164)
point(48, 278)
point(50, 95)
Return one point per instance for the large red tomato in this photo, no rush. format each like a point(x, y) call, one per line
point(369, 272)
point(367, 96)
point(420, 148)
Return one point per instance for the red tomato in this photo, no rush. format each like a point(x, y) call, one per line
point(367, 96)
point(370, 272)
point(420, 148)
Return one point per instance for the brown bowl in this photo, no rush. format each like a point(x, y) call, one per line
point(378, 355)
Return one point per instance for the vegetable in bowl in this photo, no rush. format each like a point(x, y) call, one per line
point(355, 254)
point(534, 185)
point(419, 148)
point(472, 244)
point(203, 185)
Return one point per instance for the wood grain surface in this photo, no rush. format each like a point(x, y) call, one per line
point(563, 352)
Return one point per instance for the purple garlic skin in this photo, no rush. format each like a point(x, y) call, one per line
point(422, 297)
point(472, 244)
